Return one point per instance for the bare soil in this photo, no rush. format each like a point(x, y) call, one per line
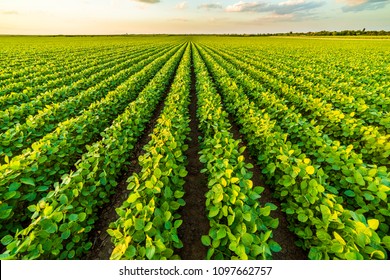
point(194, 216)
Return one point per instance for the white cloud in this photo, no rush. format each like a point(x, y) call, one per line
point(291, 2)
point(352, 2)
point(241, 6)
point(362, 5)
point(286, 7)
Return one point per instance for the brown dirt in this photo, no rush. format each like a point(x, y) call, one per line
point(194, 216)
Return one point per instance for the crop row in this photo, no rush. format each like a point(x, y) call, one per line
point(20, 136)
point(148, 219)
point(323, 225)
point(18, 113)
point(28, 87)
point(363, 187)
point(29, 176)
point(367, 139)
point(240, 228)
point(62, 219)
point(371, 104)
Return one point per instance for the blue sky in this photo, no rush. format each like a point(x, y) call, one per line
point(199, 16)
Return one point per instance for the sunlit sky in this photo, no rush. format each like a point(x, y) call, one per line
point(199, 16)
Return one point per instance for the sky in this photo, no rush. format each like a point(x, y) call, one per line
point(187, 17)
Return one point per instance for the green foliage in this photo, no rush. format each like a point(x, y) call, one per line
point(315, 115)
point(313, 204)
point(72, 204)
point(239, 227)
point(148, 219)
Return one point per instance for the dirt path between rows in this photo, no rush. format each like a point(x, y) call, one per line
point(194, 216)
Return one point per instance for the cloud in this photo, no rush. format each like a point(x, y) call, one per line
point(148, 1)
point(352, 2)
point(9, 12)
point(181, 6)
point(210, 6)
point(243, 7)
point(362, 5)
point(283, 8)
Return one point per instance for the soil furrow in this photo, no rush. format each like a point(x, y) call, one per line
point(194, 216)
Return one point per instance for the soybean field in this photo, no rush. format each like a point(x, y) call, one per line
point(194, 147)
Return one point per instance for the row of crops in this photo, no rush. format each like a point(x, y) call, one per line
point(313, 114)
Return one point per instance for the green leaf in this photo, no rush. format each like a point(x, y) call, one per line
point(359, 178)
point(9, 195)
point(157, 173)
point(148, 226)
point(265, 211)
point(337, 248)
point(82, 217)
point(230, 219)
point(48, 226)
point(28, 181)
point(48, 210)
point(323, 235)
point(213, 211)
point(73, 217)
point(139, 224)
point(183, 172)
point(63, 199)
point(65, 234)
point(103, 181)
point(177, 223)
point(247, 239)
point(71, 254)
point(325, 211)
point(221, 233)
point(247, 216)
point(302, 217)
point(266, 235)
point(14, 186)
point(351, 256)
point(133, 197)
point(386, 242)
point(274, 246)
point(149, 184)
point(150, 252)
point(87, 246)
point(206, 241)
point(368, 196)
point(349, 193)
point(7, 240)
point(315, 254)
point(179, 194)
point(378, 255)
